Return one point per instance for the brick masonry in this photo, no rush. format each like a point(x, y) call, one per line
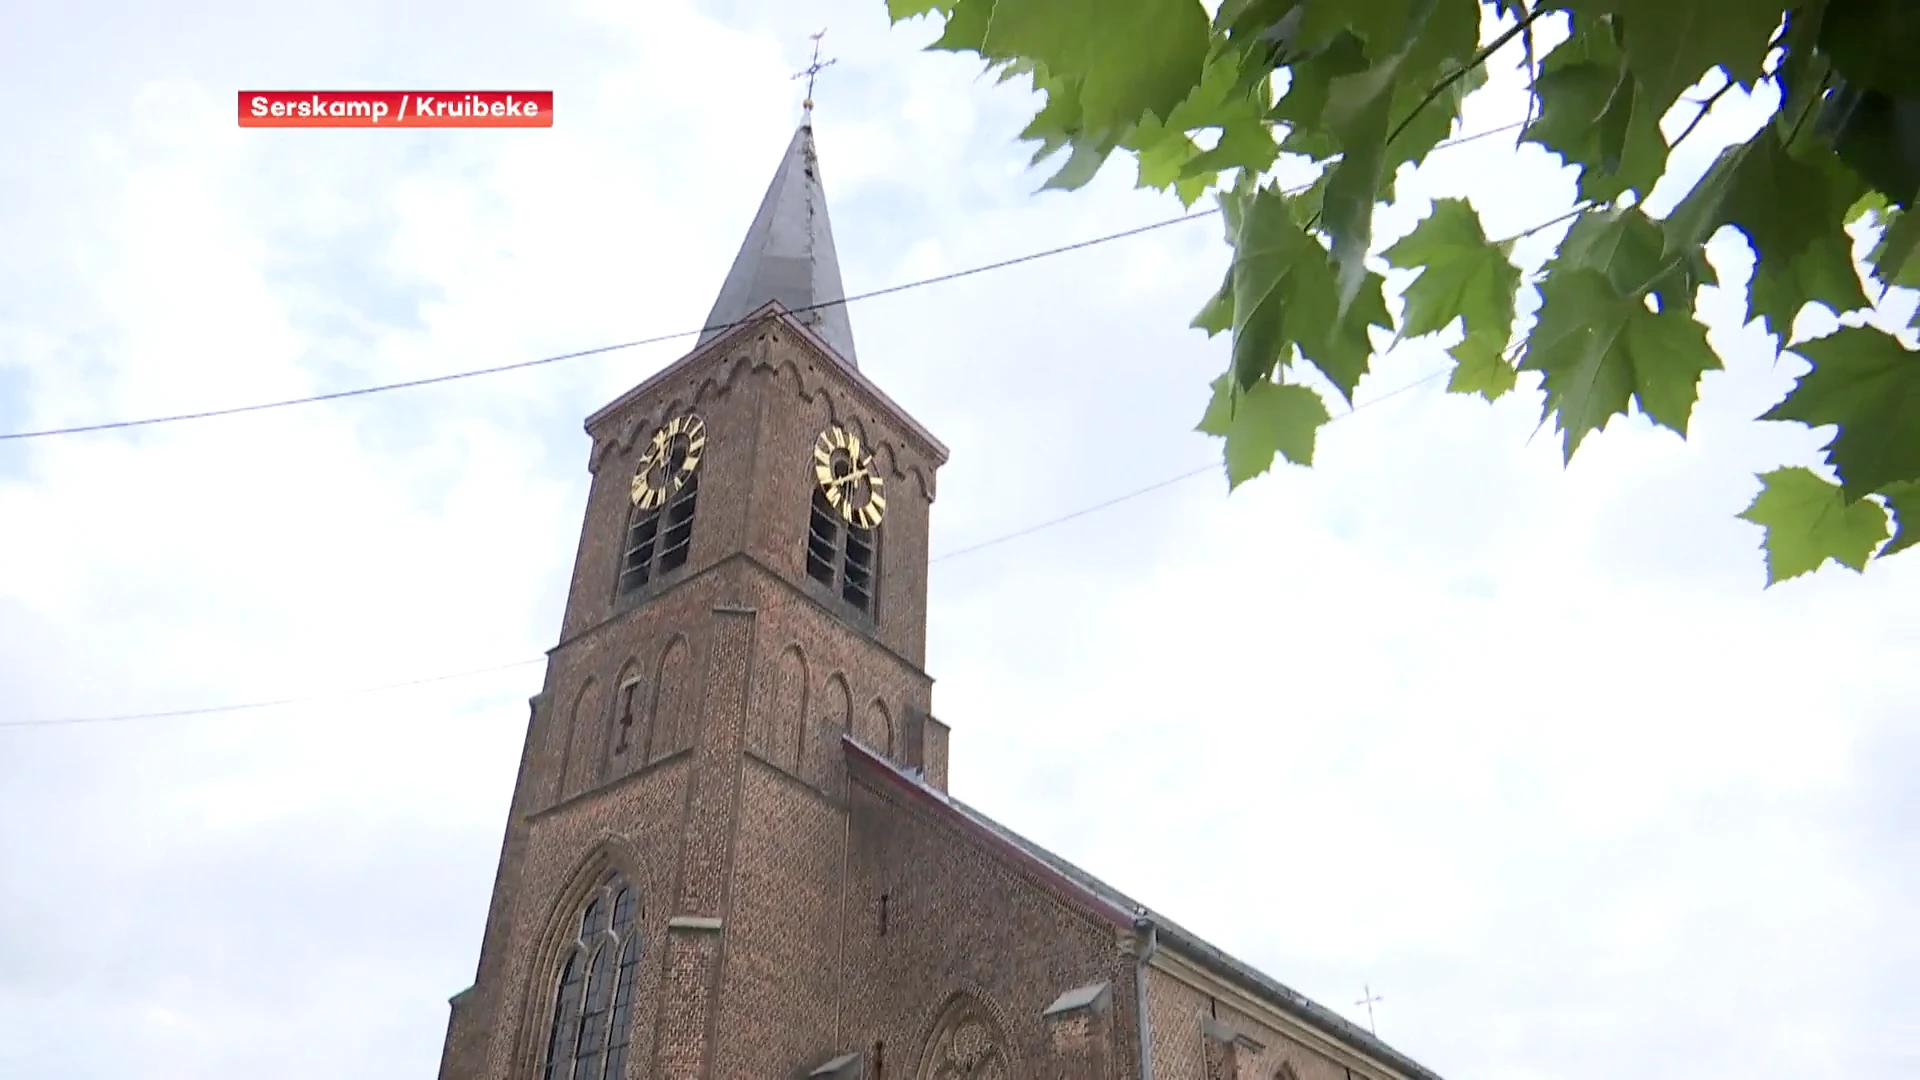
point(805, 905)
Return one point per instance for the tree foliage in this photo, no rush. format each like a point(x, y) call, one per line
point(1358, 88)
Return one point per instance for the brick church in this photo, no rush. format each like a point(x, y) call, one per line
point(731, 852)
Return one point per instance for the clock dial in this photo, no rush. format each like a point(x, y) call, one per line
point(672, 455)
point(846, 472)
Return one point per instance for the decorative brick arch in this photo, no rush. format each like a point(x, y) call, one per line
point(967, 1042)
point(875, 729)
point(621, 742)
point(670, 725)
point(833, 717)
point(779, 729)
point(578, 760)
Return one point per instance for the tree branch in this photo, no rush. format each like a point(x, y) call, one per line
point(1479, 58)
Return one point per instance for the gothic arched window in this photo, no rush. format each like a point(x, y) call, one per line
point(593, 1010)
point(842, 556)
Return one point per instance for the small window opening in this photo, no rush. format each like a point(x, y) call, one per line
point(659, 540)
point(879, 1060)
point(679, 531)
point(857, 588)
point(883, 914)
point(823, 539)
point(627, 693)
point(841, 556)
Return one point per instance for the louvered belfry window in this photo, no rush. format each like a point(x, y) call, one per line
point(841, 556)
point(658, 539)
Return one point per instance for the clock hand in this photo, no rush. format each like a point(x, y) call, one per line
point(838, 480)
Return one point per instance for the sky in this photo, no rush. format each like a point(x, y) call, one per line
point(1526, 748)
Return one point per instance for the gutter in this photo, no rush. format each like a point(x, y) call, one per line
point(1148, 937)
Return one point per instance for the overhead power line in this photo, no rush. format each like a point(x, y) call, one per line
point(455, 376)
point(955, 554)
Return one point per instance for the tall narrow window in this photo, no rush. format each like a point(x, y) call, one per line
point(593, 1008)
point(666, 490)
point(842, 556)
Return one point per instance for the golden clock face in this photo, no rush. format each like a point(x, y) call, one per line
point(672, 455)
point(847, 475)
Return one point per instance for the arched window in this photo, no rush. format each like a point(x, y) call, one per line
point(658, 540)
point(841, 556)
point(593, 1011)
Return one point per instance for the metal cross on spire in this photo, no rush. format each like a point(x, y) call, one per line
point(813, 69)
point(1368, 1001)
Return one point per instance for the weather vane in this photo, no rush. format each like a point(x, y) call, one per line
point(813, 69)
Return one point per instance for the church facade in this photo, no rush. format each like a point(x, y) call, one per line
point(731, 851)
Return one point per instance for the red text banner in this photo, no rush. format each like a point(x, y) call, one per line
point(396, 109)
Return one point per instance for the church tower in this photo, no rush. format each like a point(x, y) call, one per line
point(749, 595)
point(731, 852)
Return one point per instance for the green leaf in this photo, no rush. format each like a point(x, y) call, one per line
point(1671, 44)
point(1059, 121)
point(1217, 315)
point(1873, 43)
point(1309, 85)
point(1481, 368)
point(1448, 37)
point(1809, 521)
point(1135, 56)
point(1868, 385)
point(1592, 115)
point(1628, 247)
point(966, 28)
point(1260, 421)
point(1169, 157)
point(1873, 202)
point(1892, 259)
point(1247, 146)
point(1343, 348)
point(1461, 274)
point(1599, 352)
point(1793, 214)
point(1358, 112)
point(1162, 160)
point(1432, 124)
point(1279, 274)
point(899, 10)
point(1903, 502)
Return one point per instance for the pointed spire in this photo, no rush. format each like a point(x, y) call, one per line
point(788, 255)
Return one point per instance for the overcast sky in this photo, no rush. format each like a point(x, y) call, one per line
point(1526, 749)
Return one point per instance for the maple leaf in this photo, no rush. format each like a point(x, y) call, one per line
point(1794, 215)
point(1260, 421)
point(1342, 347)
point(1282, 285)
point(1462, 274)
point(1592, 115)
point(1135, 56)
point(1808, 521)
point(1671, 44)
point(1217, 315)
point(1599, 352)
point(1628, 247)
point(907, 9)
point(1868, 385)
point(1480, 367)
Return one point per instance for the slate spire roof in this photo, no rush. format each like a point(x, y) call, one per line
point(788, 255)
